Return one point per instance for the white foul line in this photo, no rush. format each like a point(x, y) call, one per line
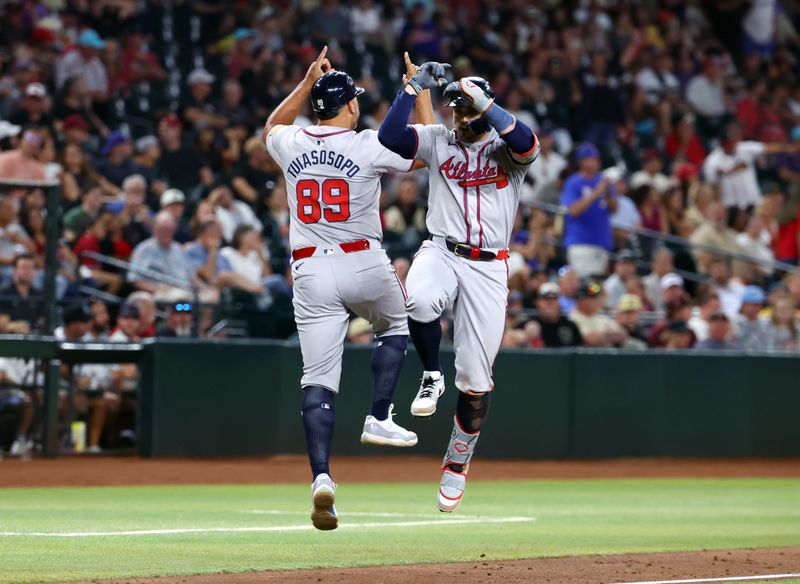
point(345, 515)
point(728, 579)
point(272, 528)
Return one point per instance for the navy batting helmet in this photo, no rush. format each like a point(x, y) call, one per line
point(456, 99)
point(331, 91)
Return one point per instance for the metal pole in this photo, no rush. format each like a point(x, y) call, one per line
point(51, 374)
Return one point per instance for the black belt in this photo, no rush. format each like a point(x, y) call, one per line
point(475, 253)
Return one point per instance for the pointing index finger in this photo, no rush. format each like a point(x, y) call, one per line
point(322, 54)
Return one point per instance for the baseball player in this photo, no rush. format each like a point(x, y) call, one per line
point(333, 180)
point(476, 175)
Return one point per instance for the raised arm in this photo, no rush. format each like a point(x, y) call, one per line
point(423, 108)
point(289, 108)
point(518, 136)
point(394, 133)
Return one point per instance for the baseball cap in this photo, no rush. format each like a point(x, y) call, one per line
point(587, 150)
point(75, 122)
point(35, 89)
point(564, 270)
point(590, 290)
point(678, 326)
point(629, 303)
point(670, 280)
point(624, 255)
point(76, 313)
point(719, 315)
point(200, 75)
point(686, 170)
point(170, 197)
point(753, 295)
point(548, 290)
point(145, 142)
point(90, 38)
point(242, 33)
point(8, 129)
point(171, 120)
point(115, 138)
point(129, 311)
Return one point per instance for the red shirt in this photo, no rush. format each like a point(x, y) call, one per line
point(695, 153)
point(785, 244)
point(87, 242)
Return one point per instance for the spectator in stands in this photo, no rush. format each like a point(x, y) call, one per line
point(34, 108)
point(650, 174)
point(785, 322)
point(676, 310)
point(133, 213)
point(678, 336)
point(556, 329)
point(707, 305)
point(683, 145)
point(21, 303)
point(84, 62)
point(751, 242)
point(89, 396)
point(248, 257)
point(624, 267)
point(597, 330)
point(232, 213)
point(78, 175)
point(22, 163)
point(628, 313)
point(160, 254)
point(590, 201)
point(706, 95)
point(672, 288)
point(730, 290)
point(719, 328)
point(181, 167)
point(731, 168)
point(99, 327)
point(549, 166)
point(79, 218)
point(117, 165)
point(173, 201)
point(661, 265)
point(750, 332)
point(656, 77)
point(714, 232)
point(178, 322)
point(199, 110)
point(210, 267)
point(255, 176)
point(139, 64)
point(146, 304)
point(147, 155)
point(13, 238)
point(127, 330)
point(568, 284)
point(96, 239)
point(405, 218)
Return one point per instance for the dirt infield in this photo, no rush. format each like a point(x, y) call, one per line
point(573, 570)
point(102, 471)
point(106, 471)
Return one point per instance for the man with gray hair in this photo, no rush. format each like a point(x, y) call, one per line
point(662, 264)
point(160, 254)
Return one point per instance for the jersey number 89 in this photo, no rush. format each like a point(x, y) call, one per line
point(335, 196)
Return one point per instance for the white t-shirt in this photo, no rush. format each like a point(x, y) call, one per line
point(627, 215)
point(705, 97)
point(739, 188)
point(759, 22)
point(248, 266)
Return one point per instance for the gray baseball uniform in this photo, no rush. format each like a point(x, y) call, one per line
point(474, 194)
point(333, 186)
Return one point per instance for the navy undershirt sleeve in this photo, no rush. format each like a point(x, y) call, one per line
point(520, 140)
point(394, 132)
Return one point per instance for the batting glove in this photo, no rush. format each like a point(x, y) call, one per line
point(429, 76)
point(480, 101)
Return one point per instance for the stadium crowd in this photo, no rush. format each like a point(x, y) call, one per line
point(663, 211)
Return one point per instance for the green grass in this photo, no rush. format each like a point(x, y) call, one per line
point(567, 518)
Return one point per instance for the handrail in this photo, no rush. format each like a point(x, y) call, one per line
point(153, 275)
point(653, 234)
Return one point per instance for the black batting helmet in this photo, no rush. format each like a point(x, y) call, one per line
point(331, 91)
point(456, 99)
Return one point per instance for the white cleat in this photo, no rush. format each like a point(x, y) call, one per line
point(430, 390)
point(323, 497)
point(451, 490)
point(386, 432)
